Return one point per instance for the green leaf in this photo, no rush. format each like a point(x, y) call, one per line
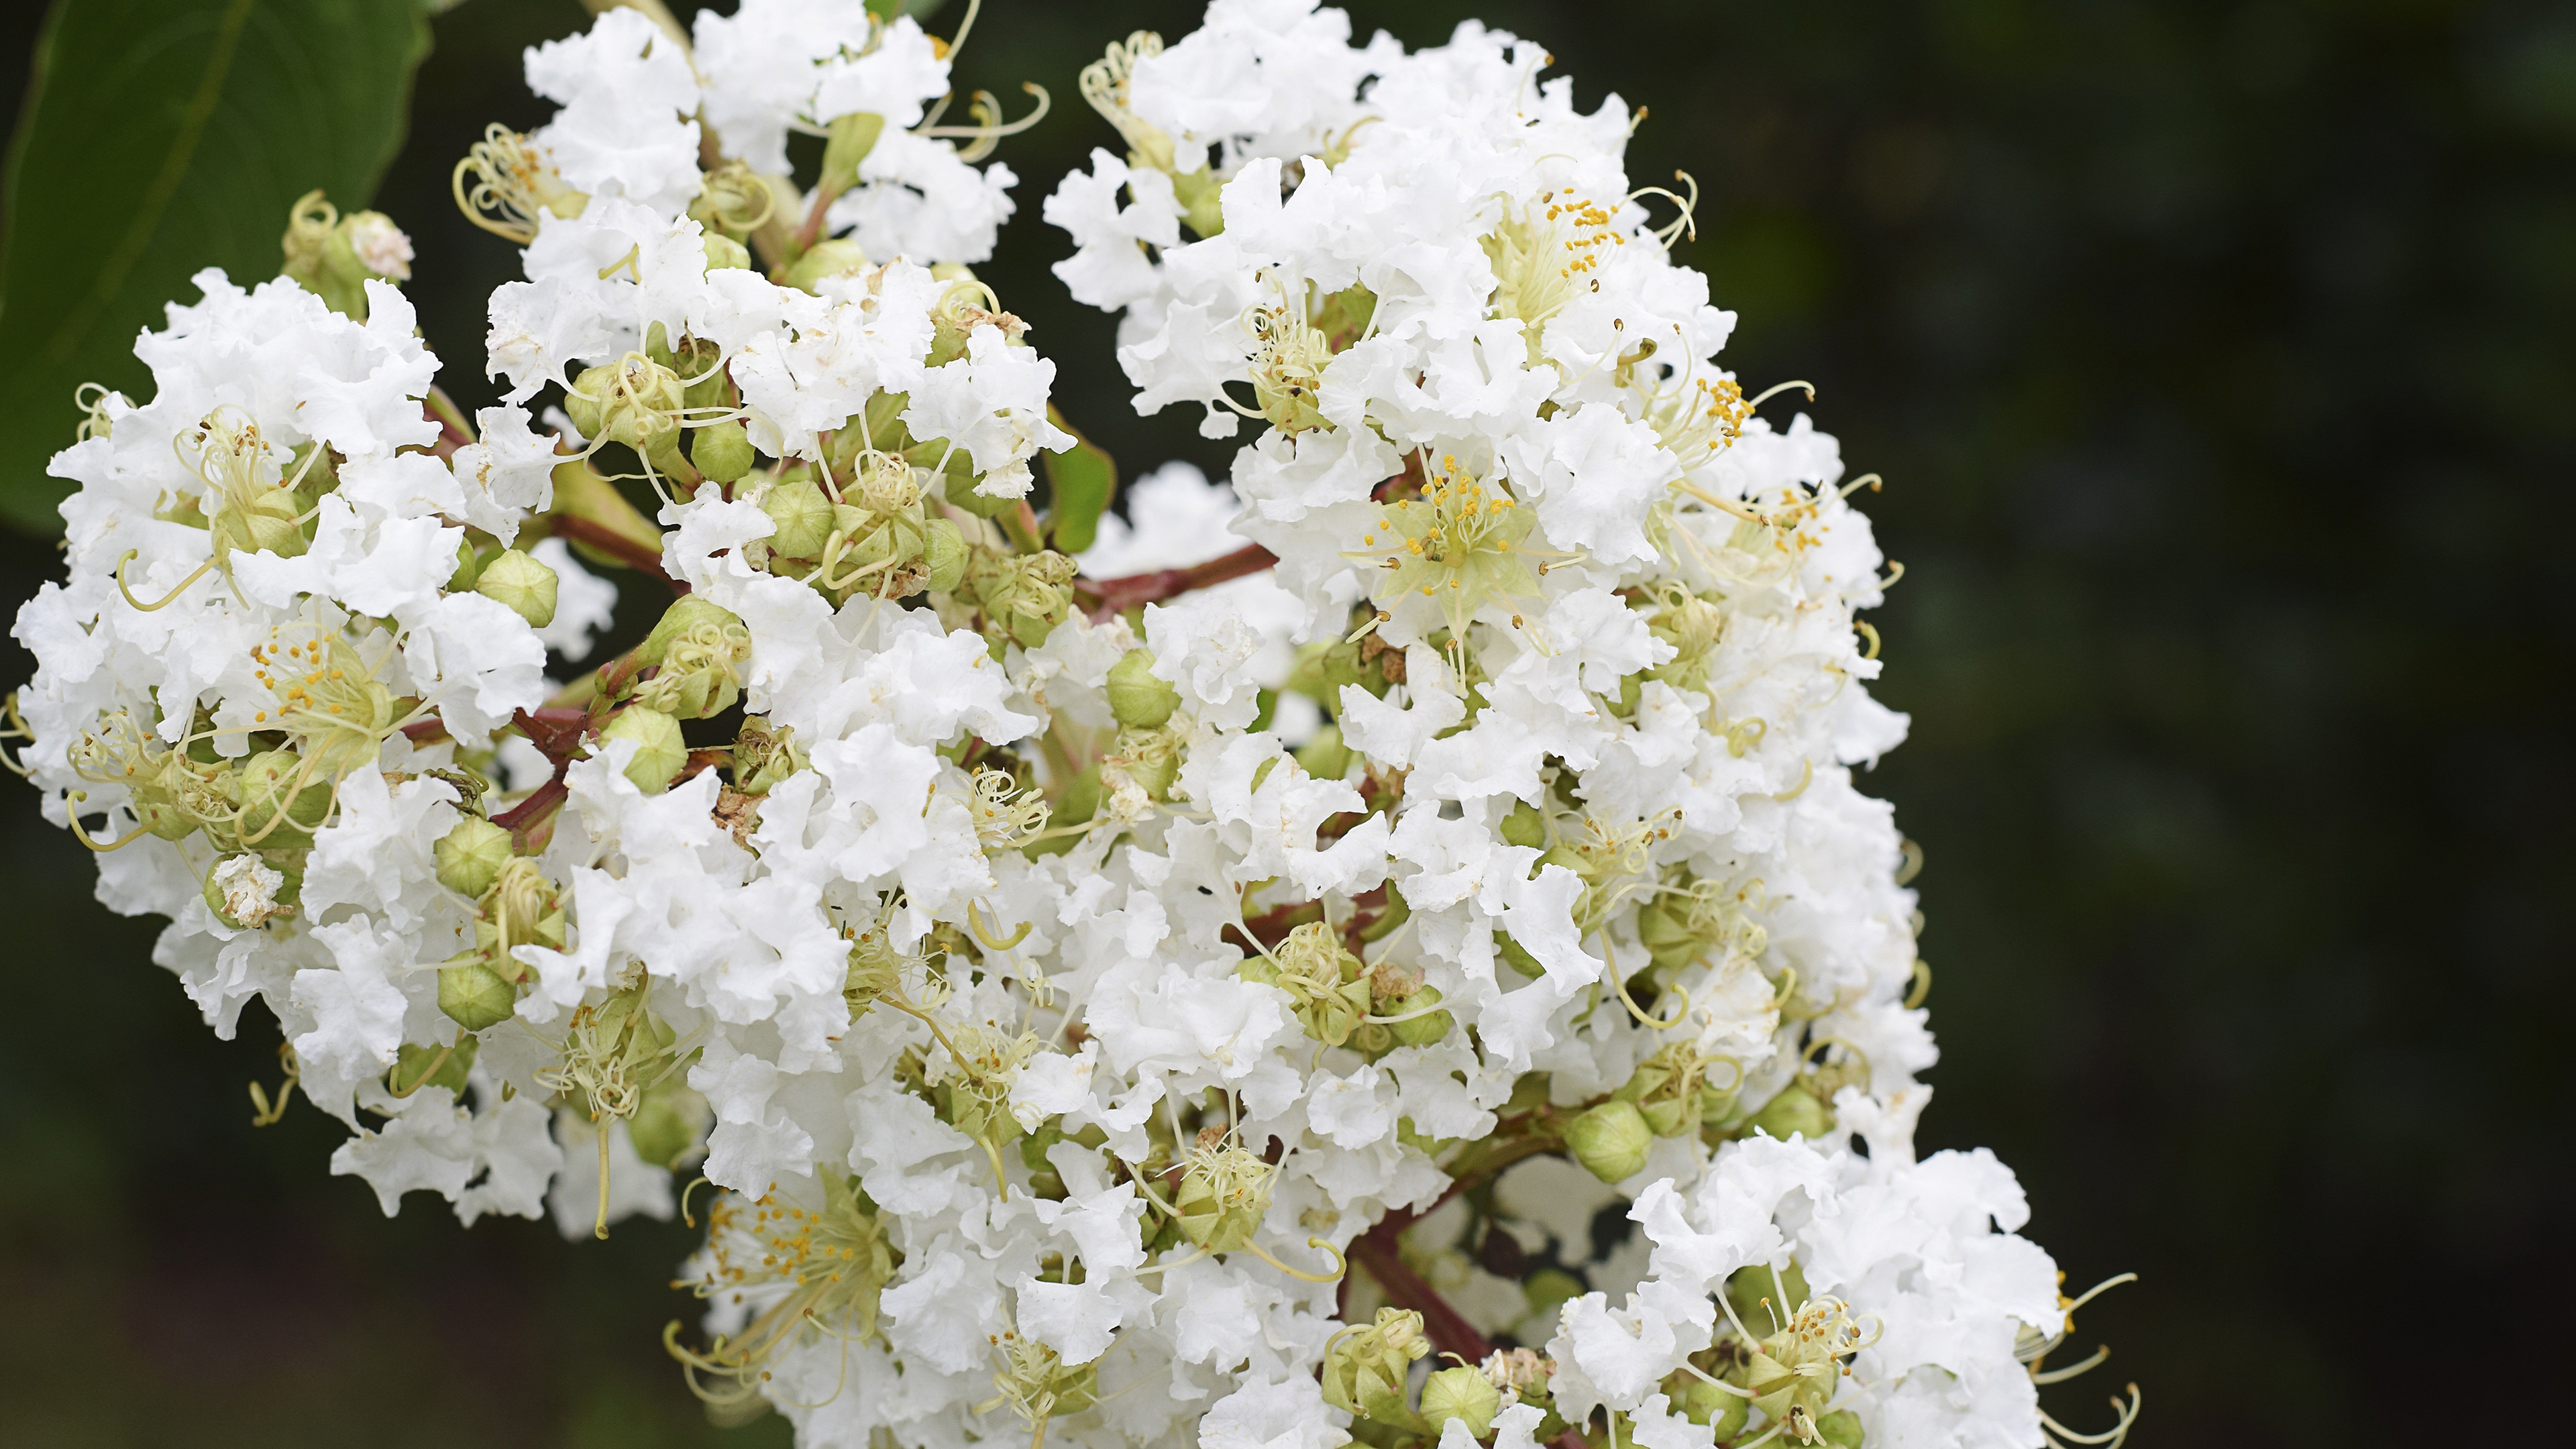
point(1080, 480)
point(161, 137)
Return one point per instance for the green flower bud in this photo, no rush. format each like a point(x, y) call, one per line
point(836, 257)
point(1841, 1428)
point(1702, 1402)
point(943, 556)
point(1548, 1290)
point(1525, 826)
point(474, 996)
point(1462, 1393)
point(518, 580)
point(1140, 700)
point(1365, 1368)
point(1792, 1113)
point(696, 652)
point(724, 252)
point(420, 1065)
point(659, 752)
point(468, 565)
point(723, 452)
point(671, 1123)
point(1610, 1141)
point(275, 813)
point(471, 855)
point(1513, 954)
point(802, 513)
point(848, 142)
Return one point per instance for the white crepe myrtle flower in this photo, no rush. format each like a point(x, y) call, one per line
point(1126, 979)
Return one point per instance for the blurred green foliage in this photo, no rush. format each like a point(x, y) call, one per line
point(161, 137)
point(2219, 358)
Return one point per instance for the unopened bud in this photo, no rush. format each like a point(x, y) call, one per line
point(518, 580)
point(724, 252)
point(837, 257)
point(1464, 1394)
point(849, 140)
point(1702, 1402)
point(723, 451)
point(1525, 826)
point(475, 996)
point(803, 516)
point(660, 752)
point(468, 565)
point(1140, 700)
point(277, 814)
point(1611, 1141)
point(1795, 1112)
point(471, 855)
point(670, 1124)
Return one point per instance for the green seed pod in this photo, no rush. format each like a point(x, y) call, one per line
point(659, 750)
point(1793, 1113)
point(1841, 1428)
point(671, 1123)
point(724, 252)
point(1702, 1402)
point(1610, 1141)
point(837, 257)
point(943, 556)
point(1525, 826)
point(802, 513)
point(1140, 700)
point(474, 996)
point(1421, 1030)
point(417, 1066)
point(1462, 1393)
point(518, 580)
point(269, 819)
point(723, 452)
point(471, 855)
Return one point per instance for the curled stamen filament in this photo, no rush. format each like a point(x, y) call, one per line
point(141, 607)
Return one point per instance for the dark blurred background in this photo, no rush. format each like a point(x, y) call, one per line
point(2220, 359)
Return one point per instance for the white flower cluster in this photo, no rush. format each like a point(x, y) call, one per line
point(1157, 996)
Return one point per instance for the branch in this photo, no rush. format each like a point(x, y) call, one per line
point(575, 529)
point(1116, 596)
point(1376, 1251)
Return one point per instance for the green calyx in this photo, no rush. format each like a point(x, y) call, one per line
point(1020, 598)
point(697, 653)
point(334, 256)
point(1365, 1367)
point(763, 757)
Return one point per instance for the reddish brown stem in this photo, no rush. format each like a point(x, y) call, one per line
point(1116, 596)
point(1376, 1251)
point(616, 545)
